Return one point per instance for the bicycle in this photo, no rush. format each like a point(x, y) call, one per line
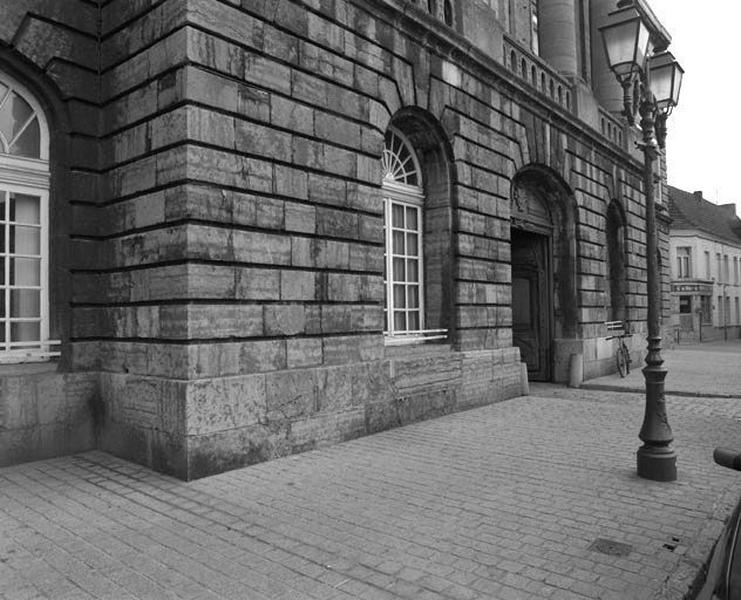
point(723, 573)
point(622, 356)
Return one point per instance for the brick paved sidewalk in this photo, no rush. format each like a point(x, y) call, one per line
point(696, 370)
point(501, 502)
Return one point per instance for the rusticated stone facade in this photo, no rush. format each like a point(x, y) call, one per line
point(217, 265)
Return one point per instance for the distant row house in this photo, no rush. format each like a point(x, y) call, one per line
point(705, 268)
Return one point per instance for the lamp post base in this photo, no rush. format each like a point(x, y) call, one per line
point(657, 463)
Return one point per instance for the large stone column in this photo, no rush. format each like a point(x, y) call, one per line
point(558, 41)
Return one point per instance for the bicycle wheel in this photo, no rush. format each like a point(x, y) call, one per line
point(622, 364)
point(627, 359)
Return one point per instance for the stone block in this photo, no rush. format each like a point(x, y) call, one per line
point(225, 403)
point(336, 129)
point(291, 115)
point(380, 416)
point(336, 223)
point(256, 284)
point(290, 182)
point(324, 429)
point(211, 127)
point(215, 53)
point(304, 352)
point(279, 44)
point(253, 103)
point(261, 248)
point(339, 350)
point(284, 319)
point(261, 356)
point(257, 211)
point(267, 73)
point(365, 198)
point(290, 394)
point(225, 450)
point(212, 89)
point(344, 287)
point(327, 190)
point(334, 389)
point(297, 285)
point(300, 217)
point(262, 140)
point(302, 252)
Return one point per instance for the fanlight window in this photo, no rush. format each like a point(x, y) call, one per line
point(20, 131)
point(24, 228)
point(399, 164)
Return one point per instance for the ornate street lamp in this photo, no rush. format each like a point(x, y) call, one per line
point(651, 84)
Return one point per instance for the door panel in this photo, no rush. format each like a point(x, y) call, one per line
point(531, 312)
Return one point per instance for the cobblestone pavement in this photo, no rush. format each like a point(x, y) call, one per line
point(696, 370)
point(501, 502)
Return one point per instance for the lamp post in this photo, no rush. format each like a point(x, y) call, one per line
point(651, 84)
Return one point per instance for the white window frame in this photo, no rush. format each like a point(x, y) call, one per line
point(684, 262)
point(396, 192)
point(28, 176)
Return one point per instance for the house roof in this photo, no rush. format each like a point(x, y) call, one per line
point(691, 211)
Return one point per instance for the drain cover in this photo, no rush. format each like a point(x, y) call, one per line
point(610, 547)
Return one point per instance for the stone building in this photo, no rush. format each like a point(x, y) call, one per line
point(237, 230)
point(705, 250)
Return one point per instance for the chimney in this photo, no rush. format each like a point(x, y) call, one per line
point(698, 195)
point(729, 210)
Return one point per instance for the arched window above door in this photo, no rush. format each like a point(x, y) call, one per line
point(24, 226)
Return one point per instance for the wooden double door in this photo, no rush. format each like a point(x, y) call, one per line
point(532, 302)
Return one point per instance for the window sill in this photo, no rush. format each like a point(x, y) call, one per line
point(28, 368)
point(416, 346)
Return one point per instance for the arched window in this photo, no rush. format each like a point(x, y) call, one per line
point(616, 263)
point(24, 226)
point(403, 225)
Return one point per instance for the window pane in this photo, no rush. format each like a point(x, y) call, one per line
point(400, 320)
point(14, 114)
point(397, 219)
point(412, 218)
point(412, 270)
point(413, 292)
point(399, 269)
point(25, 332)
point(25, 209)
point(2, 331)
point(413, 320)
point(25, 271)
point(2, 206)
point(412, 243)
point(2, 303)
point(399, 296)
point(25, 303)
point(398, 243)
point(29, 142)
point(25, 240)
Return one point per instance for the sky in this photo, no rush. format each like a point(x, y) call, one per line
point(704, 139)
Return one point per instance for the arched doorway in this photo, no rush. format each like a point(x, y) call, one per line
point(543, 243)
point(532, 312)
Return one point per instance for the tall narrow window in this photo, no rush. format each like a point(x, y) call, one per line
point(708, 272)
point(718, 266)
point(684, 263)
point(24, 226)
point(403, 226)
